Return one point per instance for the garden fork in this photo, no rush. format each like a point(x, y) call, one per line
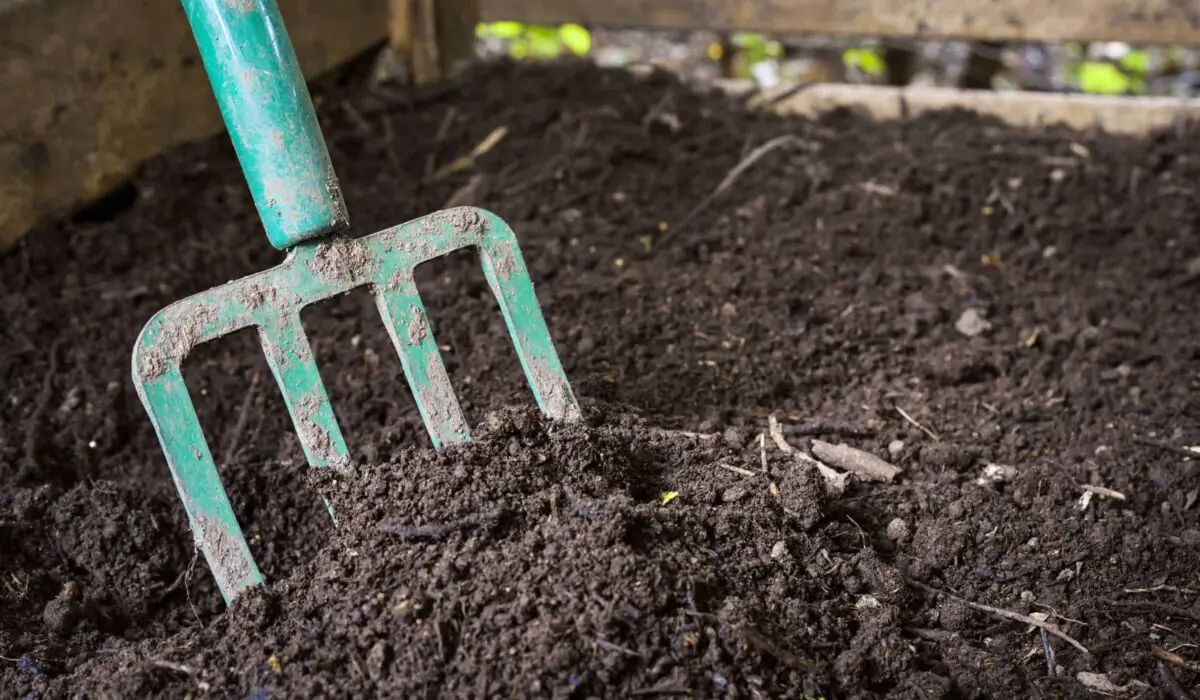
point(269, 114)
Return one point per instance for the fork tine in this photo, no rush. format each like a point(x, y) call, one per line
point(214, 526)
point(399, 304)
point(291, 360)
point(506, 273)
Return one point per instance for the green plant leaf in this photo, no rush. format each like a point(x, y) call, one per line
point(543, 42)
point(1102, 78)
point(575, 38)
point(506, 30)
point(866, 60)
point(1136, 62)
point(746, 40)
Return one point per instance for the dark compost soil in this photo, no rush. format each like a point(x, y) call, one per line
point(946, 293)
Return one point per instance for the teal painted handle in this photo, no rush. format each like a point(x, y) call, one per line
point(269, 113)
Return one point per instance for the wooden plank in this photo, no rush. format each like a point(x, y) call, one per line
point(432, 39)
point(1129, 116)
point(94, 87)
point(1134, 21)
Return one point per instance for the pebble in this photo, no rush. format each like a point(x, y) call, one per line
point(733, 494)
point(778, 550)
point(895, 447)
point(972, 323)
point(897, 530)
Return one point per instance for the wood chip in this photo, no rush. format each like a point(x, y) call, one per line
point(855, 460)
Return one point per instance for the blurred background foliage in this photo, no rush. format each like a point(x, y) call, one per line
point(1104, 68)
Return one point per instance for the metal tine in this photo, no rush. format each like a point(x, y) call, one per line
point(506, 273)
point(214, 526)
point(291, 360)
point(399, 304)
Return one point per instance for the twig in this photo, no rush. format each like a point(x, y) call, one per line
point(1102, 491)
point(1049, 651)
point(172, 666)
point(661, 690)
point(437, 531)
point(1171, 589)
point(605, 644)
point(1174, 659)
point(1156, 606)
point(467, 161)
point(438, 137)
point(737, 470)
point(239, 427)
point(915, 424)
point(1170, 685)
point(855, 460)
point(1184, 451)
point(187, 590)
point(758, 640)
point(664, 432)
point(39, 409)
point(732, 177)
point(1008, 614)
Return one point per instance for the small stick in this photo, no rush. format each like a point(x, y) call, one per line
point(915, 424)
point(1008, 614)
point(239, 427)
point(172, 666)
point(1049, 651)
point(732, 177)
point(1102, 491)
point(605, 644)
point(1156, 606)
point(1183, 451)
point(855, 460)
point(1174, 659)
point(1170, 589)
point(466, 162)
point(662, 690)
point(737, 470)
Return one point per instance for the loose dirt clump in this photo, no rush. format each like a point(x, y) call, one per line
point(1003, 316)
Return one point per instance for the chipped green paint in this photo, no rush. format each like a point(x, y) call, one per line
point(272, 124)
point(271, 301)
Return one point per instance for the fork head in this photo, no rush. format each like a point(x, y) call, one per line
point(271, 301)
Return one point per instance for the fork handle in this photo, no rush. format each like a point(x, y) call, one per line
point(270, 117)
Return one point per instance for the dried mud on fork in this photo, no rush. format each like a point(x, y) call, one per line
point(1006, 316)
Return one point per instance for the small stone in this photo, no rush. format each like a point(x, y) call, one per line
point(586, 344)
point(778, 550)
point(895, 447)
point(897, 530)
point(728, 311)
point(972, 323)
point(733, 494)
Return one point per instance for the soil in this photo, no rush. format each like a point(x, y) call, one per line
point(1006, 316)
